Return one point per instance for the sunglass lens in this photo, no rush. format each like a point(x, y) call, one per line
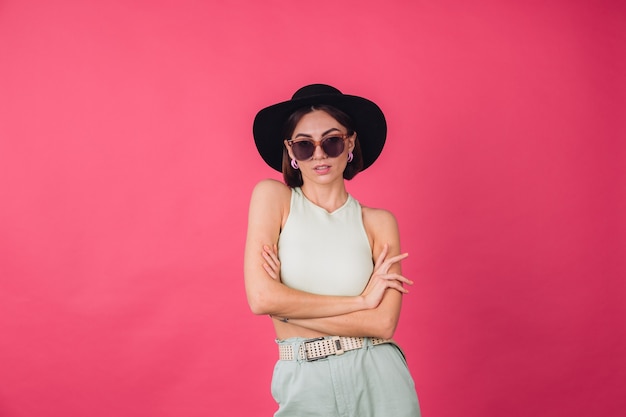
point(303, 149)
point(333, 146)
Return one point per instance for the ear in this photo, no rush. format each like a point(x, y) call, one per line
point(351, 141)
point(288, 149)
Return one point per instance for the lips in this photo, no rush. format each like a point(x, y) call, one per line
point(321, 169)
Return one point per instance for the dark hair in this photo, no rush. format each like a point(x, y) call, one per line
point(293, 177)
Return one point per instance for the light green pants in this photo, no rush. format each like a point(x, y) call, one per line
point(370, 382)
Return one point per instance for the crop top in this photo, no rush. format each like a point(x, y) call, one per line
point(324, 253)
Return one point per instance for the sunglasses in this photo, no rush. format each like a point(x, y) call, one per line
point(304, 149)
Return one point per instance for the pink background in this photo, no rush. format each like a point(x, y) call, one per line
point(127, 161)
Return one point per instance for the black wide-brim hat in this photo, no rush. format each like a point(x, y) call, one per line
point(368, 119)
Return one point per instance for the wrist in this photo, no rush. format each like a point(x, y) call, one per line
point(362, 303)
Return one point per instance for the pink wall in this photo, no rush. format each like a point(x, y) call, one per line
point(126, 164)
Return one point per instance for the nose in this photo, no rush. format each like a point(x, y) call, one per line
point(318, 152)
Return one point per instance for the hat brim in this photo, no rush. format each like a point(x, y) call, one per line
point(369, 123)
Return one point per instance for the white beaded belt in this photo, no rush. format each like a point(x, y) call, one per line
point(320, 348)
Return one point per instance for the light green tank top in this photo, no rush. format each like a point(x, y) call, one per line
point(324, 253)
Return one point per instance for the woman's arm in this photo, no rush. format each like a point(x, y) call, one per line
point(268, 207)
point(382, 320)
point(379, 322)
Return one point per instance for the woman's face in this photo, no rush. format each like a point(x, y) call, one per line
point(321, 168)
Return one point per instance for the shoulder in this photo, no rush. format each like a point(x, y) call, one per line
point(269, 189)
point(382, 228)
point(270, 196)
point(376, 216)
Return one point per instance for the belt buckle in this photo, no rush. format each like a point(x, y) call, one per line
point(336, 340)
point(338, 348)
point(306, 351)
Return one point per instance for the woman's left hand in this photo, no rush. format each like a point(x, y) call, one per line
point(272, 263)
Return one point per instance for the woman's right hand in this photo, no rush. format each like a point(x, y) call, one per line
point(272, 263)
point(381, 279)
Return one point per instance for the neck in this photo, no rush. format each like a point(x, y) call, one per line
point(329, 197)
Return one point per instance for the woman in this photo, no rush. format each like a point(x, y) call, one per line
point(309, 261)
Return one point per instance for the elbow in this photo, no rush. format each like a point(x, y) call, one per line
point(258, 310)
point(263, 298)
point(258, 305)
point(386, 333)
point(255, 308)
point(385, 328)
